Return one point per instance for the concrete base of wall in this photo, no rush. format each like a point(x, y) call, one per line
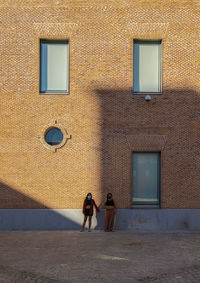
point(152, 220)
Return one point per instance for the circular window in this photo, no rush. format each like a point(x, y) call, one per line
point(54, 136)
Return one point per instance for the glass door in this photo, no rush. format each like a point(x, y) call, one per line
point(146, 178)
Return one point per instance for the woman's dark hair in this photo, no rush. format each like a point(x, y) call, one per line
point(88, 195)
point(109, 194)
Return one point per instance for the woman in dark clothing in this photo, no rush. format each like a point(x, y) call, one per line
point(88, 210)
point(110, 212)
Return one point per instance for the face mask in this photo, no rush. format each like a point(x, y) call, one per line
point(109, 197)
point(89, 197)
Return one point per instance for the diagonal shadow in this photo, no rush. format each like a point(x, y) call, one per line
point(36, 216)
point(174, 113)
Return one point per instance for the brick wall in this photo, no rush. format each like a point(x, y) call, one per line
point(105, 121)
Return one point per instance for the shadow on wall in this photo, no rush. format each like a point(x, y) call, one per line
point(39, 217)
point(173, 114)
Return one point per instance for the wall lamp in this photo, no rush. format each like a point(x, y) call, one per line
point(147, 97)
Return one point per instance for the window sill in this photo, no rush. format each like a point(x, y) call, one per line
point(145, 93)
point(54, 93)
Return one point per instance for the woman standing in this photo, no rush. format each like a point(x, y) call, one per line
point(110, 212)
point(88, 210)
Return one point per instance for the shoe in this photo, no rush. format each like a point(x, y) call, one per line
point(89, 230)
point(82, 230)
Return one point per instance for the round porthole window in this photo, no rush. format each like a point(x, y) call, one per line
point(54, 136)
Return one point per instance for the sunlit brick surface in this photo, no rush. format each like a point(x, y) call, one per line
point(106, 122)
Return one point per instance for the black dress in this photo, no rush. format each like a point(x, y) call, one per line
point(87, 210)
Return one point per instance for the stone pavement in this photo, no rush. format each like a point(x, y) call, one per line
point(71, 256)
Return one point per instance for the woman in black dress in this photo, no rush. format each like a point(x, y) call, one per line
point(88, 210)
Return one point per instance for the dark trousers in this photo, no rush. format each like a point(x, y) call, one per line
point(109, 219)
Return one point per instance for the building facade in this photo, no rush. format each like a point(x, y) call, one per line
point(100, 96)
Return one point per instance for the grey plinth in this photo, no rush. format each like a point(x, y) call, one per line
point(153, 220)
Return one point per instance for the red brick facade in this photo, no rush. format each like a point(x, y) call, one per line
point(103, 120)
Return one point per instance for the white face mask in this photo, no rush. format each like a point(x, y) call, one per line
point(89, 197)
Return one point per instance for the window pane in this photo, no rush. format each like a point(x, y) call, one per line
point(147, 67)
point(146, 177)
point(54, 136)
point(54, 67)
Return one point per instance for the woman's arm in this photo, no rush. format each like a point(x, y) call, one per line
point(96, 206)
point(102, 204)
point(115, 204)
point(84, 203)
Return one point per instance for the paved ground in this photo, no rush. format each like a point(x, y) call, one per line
point(64, 256)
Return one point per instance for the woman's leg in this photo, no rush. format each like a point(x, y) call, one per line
point(112, 220)
point(84, 221)
point(90, 222)
point(106, 220)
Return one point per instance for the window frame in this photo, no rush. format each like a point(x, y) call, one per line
point(149, 41)
point(53, 41)
point(144, 204)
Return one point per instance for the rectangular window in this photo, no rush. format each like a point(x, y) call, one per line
point(147, 66)
point(146, 178)
point(54, 66)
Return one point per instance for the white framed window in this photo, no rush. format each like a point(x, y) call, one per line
point(54, 66)
point(147, 66)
